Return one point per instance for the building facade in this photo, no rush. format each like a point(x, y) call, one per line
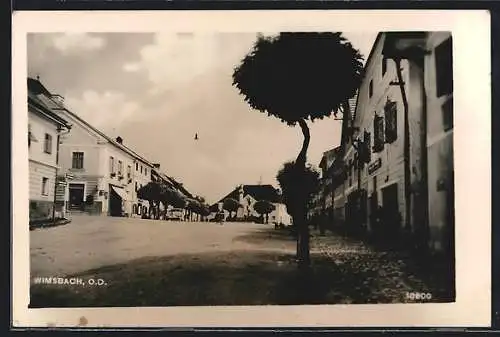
point(44, 130)
point(248, 195)
point(397, 161)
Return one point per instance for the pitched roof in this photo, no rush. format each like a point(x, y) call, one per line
point(41, 107)
point(258, 192)
point(43, 96)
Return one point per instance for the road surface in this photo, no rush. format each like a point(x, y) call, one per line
point(94, 241)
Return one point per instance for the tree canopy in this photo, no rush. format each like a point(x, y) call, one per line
point(151, 192)
point(263, 207)
point(297, 186)
point(231, 205)
point(295, 76)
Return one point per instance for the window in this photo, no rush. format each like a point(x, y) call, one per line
point(29, 135)
point(136, 187)
point(129, 171)
point(391, 126)
point(77, 161)
point(378, 133)
point(384, 66)
point(146, 171)
point(141, 169)
point(45, 186)
point(120, 167)
point(111, 165)
point(48, 144)
point(136, 166)
point(370, 89)
point(447, 111)
point(444, 68)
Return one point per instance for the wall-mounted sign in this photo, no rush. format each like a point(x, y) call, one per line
point(374, 166)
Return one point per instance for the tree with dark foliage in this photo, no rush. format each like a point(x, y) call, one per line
point(264, 207)
point(298, 77)
point(152, 192)
point(297, 189)
point(231, 205)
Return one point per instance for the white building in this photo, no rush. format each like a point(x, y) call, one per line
point(99, 174)
point(248, 195)
point(399, 151)
point(44, 130)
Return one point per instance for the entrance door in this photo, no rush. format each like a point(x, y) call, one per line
point(115, 203)
point(391, 220)
point(76, 197)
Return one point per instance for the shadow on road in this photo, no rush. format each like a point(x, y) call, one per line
point(267, 235)
point(226, 278)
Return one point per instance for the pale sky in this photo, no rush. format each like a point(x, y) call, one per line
point(157, 90)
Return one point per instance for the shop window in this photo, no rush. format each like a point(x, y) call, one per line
point(444, 68)
point(391, 126)
point(447, 113)
point(378, 134)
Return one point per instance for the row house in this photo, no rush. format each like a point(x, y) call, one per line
point(44, 130)
point(326, 191)
point(397, 151)
point(97, 174)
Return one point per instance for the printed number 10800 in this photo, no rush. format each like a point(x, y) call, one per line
point(418, 296)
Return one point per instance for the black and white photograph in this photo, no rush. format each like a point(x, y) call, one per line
point(277, 167)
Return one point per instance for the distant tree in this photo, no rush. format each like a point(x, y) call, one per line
point(298, 77)
point(172, 197)
point(264, 207)
point(152, 192)
point(231, 205)
point(214, 208)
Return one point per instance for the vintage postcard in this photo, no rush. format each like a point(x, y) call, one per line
point(257, 168)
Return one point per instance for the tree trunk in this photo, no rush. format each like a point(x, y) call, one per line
point(303, 229)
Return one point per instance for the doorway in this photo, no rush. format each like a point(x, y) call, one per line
point(76, 197)
point(391, 218)
point(115, 203)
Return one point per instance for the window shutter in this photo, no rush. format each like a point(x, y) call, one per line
point(367, 147)
point(391, 127)
point(378, 126)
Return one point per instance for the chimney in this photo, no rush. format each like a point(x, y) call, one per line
point(156, 166)
point(119, 140)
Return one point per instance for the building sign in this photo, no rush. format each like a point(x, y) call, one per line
point(374, 166)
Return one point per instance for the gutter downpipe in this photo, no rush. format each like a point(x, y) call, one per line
point(407, 175)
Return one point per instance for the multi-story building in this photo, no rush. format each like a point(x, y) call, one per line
point(326, 190)
point(98, 174)
point(397, 154)
point(44, 130)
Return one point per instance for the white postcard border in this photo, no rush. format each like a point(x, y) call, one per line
point(472, 111)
